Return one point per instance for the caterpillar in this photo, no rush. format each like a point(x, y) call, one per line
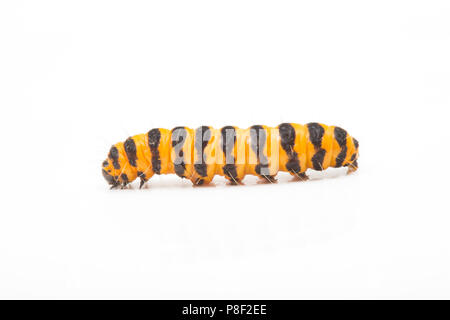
point(231, 152)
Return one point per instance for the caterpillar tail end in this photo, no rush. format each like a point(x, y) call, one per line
point(352, 167)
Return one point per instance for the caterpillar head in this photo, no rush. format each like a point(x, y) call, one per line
point(111, 169)
point(107, 171)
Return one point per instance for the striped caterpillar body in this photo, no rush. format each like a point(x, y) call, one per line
point(231, 152)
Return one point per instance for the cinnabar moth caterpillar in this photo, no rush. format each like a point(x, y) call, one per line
point(231, 152)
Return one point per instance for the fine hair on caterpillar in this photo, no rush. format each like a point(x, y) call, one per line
point(231, 152)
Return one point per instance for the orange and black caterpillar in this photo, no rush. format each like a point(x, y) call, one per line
point(231, 152)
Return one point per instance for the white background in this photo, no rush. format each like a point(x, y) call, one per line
point(78, 76)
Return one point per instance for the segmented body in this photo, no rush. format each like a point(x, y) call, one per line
point(231, 152)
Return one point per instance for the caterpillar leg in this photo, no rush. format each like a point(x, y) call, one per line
point(352, 167)
point(231, 174)
point(300, 176)
point(233, 181)
point(114, 186)
point(202, 182)
point(267, 179)
point(199, 182)
point(121, 185)
point(144, 176)
point(141, 184)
